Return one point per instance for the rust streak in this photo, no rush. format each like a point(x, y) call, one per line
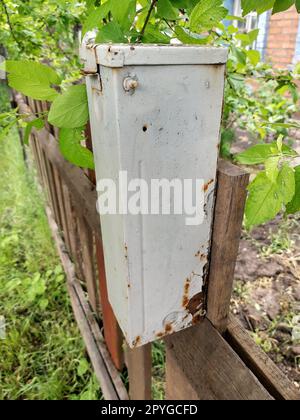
point(195, 304)
point(206, 186)
point(185, 298)
point(137, 341)
point(168, 328)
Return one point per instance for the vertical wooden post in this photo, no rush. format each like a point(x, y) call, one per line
point(229, 211)
point(139, 364)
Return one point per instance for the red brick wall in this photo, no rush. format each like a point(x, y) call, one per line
point(281, 42)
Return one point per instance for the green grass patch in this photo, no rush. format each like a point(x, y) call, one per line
point(42, 355)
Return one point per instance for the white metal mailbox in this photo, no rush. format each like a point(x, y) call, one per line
point(155, 113)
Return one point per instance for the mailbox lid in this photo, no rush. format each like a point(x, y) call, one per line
point(151, 55)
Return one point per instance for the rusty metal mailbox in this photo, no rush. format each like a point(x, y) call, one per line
point(155, 117)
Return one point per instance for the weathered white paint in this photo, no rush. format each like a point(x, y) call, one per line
point(155, 265)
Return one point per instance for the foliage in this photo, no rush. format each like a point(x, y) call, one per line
point(43, 355)
point(267, 112)
point(273, 189)
point(263, 6)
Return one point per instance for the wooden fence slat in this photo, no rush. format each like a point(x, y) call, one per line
point(50, 178)
point(229, 211)
point(112, 332)
point(111, 384)
point(61, 206)
point(259, 362)
point(45, 178)
point(202, 366)
point(32, 144)
point(139, 364)
point(70, 221)
point(87, 244)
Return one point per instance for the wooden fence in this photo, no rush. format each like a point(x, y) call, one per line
point(215, 360)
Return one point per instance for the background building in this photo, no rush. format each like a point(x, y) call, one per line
point(279, 38)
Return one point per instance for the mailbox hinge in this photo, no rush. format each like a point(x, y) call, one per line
point(95, 74)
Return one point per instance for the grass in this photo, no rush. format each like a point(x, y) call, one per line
point(42, 355)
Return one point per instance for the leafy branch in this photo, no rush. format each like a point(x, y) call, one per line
point(153, 4)
point(10, 25)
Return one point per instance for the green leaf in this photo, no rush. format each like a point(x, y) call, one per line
point(165, 10)
point(264, 201)
point(261, 152)
point(112, 32)
point(38, 123)
point(43, 73)
point(239, 54)
point(248, 38)
point(254, 57)
point(272, 170)
point(154, 36)
point(71, 149)
point(95, 17)
point(70, 110)
point(238, 18)
point(32, 79)
point(253, 35)
point(236, 81)
point(187, 37)
point(286, 183)
point(260, 6)
point(282, 125)
point(298, 5)
point(282, 5)
point(294, 205)
point(255, 155)
point(207, 14)
point(123, 12)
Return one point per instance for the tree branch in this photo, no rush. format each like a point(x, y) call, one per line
point(9, 23)
point(153, 4)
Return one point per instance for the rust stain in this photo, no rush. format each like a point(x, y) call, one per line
point(159, 335)
point(168, 328)
point(202, 257)
point(126, 251)
point(185, 301)
point(206, 186)
point(137, 341)
point(185, 298)
point(195, 303)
